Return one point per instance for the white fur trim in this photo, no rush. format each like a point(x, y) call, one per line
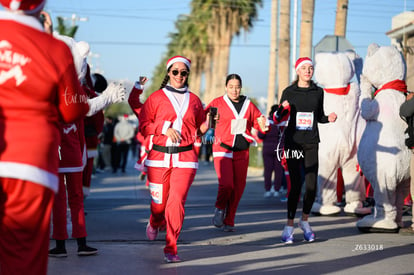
point(167, 125)
point(86, 191)
point(29, 172)
point(303, 63)
point(14, 5)
point(179, 59)
point(223, 154)
point(92, 153)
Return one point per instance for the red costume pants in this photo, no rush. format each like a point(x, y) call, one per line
point(232, 174)
point(87, 176)
point(169, 188)
point(75, 201)
point(25, 209)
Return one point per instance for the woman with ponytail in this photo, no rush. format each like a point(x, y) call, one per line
point(173, 118)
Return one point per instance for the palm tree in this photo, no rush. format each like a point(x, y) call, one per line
point(284, 46)
point(271, 89)
point(205, 37)
point(226, 18)
point(63, 29)
point(306, 28)
point(189, 40)
point(341, 16)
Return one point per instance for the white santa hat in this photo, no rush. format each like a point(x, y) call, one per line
point(178, 58)
point(302, 61)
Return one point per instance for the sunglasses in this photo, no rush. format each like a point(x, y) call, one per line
point(182, 73)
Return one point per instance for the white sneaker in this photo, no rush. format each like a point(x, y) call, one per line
point(276, 194)
point(308, 234)
point(287, 235)
point(267, 194)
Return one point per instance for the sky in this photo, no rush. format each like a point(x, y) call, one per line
point(128, 38)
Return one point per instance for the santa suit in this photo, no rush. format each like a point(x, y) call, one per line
point(72, 163)
point(93, 127)
point(38, 89)
point(231, 166)
point(170, 174)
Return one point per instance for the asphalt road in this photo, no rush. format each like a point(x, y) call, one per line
point(118, 210)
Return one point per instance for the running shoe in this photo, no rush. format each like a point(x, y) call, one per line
point(267, 194)
point(218, 218)
point(85, 250)
point(308, 234)
point(229, 228)
point(170, 258)
point(58, 252)
point(151, 232)
point(287, 235)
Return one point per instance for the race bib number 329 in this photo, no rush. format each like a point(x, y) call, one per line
point(304, 120)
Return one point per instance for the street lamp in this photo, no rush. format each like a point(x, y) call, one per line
point(75, 18)
point(91, 63)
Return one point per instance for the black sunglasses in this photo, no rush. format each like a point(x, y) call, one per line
point(182, 73)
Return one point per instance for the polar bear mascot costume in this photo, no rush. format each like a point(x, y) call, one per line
point(339, 141)
point(382, 154)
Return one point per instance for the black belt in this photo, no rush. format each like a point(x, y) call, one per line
point(172, 149)
point(233, 149)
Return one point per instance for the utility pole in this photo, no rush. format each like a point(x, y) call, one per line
point(295, 37)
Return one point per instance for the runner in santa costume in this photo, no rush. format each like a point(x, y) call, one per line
point(73, 158)
point(38, 89)
point(172, 116)
point(145, 142)
point(237, 115)
point(93, 127)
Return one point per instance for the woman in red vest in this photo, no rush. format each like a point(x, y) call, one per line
point(237, 115)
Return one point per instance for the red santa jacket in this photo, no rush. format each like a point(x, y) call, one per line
point(223, 132)
point(162, 111)
point(72, 149)
point(38, 88)
point(134, 100)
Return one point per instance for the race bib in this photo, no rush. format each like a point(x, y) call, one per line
point(304, 120)
point(238, 126)
point(156, 192)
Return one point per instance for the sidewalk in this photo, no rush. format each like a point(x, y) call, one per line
point(118, 210)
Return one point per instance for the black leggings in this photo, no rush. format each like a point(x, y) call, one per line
point(302, 156)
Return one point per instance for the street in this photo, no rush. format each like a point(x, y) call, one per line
point(118, 211)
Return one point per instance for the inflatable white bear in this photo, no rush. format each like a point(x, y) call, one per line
point(382, 154)
point(338, 146)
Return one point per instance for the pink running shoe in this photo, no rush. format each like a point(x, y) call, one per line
point(151, 232)
point(170, 258)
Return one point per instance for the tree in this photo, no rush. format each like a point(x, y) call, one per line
point(306, 28)
point(284, 46)
point(271, 89)
point(341, 16)
point(225, 18)
point(205, 37)
point(63, 29)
